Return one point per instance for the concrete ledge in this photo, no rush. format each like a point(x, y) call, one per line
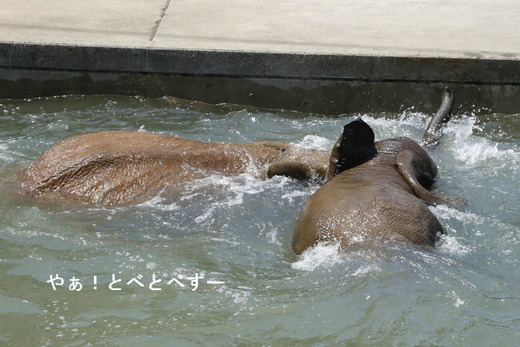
point(328, 83)
point(258, 64)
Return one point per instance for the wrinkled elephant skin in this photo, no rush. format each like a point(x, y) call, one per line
point(119, 167)
point(377, 192)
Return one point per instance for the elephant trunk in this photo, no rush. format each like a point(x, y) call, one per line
point(433, 132)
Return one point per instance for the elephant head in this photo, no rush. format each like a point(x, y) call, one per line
point(354, 147)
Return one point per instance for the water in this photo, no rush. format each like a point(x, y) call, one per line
point(236, 231)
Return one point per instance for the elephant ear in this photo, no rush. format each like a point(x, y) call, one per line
point(409, 163)
point(354, 147)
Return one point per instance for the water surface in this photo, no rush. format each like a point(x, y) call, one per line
point(236, 232)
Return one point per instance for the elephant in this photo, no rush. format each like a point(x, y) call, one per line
point(376, 190)
point(128, 167)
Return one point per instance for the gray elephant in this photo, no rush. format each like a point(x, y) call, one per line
point(376, 191)
point(125, 167)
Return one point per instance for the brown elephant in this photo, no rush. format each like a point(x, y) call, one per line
point(118, 167)
point(377, 190)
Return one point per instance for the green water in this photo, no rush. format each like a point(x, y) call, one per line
point(236, 231)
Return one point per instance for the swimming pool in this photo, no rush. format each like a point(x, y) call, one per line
point(214, 265)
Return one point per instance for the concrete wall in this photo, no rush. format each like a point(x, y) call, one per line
point(328, 84)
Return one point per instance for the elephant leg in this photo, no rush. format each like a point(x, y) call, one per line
point(406, 163)
point(294, 169)
point(433, 132)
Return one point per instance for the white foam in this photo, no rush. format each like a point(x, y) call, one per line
point(409, 124)
point(57, 126)
point(473, 150)
point(294, 194)
point(449, 244)
point(235, 188)
point(447, 212)
point(224, 240)
point(455, 297)
point(312, 257)
point(315, 142)
point(415, 119)
point(4, 153)
point(204, 216)
point(156, 203)
point(480, 150)
point(240, 296)
point(273, 237)
point(330, 254)
point(363, 270)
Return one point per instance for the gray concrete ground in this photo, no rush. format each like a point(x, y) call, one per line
point(419, 41)
point(438, 28)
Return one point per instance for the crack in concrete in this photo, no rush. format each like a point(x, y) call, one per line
point(158, 22)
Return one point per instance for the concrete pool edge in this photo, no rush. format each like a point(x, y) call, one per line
point(328, 83)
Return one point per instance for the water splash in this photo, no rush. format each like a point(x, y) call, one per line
point(315, 142)
point(474, 150)
point(157, 202)
point(4, 153)
point(313, 257)
point(450, 244)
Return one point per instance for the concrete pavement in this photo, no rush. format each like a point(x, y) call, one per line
point(276, 44)
point(451, 28)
